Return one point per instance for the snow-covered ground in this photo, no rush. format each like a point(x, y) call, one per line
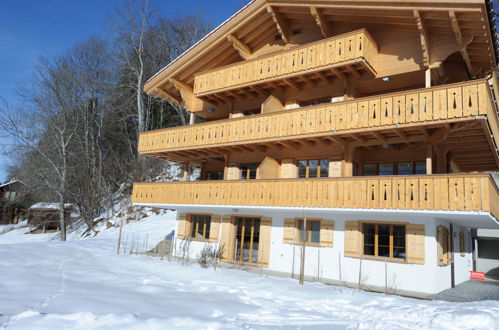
point(84, 284)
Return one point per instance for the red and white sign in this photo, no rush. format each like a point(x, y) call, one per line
point(477, 275)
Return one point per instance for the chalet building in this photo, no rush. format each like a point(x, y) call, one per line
point(44, 216)
point(10, 202)
point(365, 130)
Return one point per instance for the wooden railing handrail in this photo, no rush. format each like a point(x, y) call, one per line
point(339, 178)
point(356, 100)
point(294, 48)
point(447, 192)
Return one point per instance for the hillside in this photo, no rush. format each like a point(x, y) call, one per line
point(83, 283)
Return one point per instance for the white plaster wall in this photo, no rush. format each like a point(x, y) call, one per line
point(324, 263)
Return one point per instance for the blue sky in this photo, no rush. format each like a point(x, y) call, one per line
point(30, 28)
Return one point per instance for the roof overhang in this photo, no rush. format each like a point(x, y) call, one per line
point(262, 19)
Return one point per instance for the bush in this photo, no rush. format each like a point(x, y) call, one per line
point(210, 254)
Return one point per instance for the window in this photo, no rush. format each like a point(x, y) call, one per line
point(214, 175)
point(248, 171)
point(200, 226)
point(315, 168)
point(400, 168)
point(384, 240)
point(312, 233)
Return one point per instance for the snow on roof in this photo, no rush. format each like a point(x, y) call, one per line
point(200, 40)
point(48, 206)
point(8, 183)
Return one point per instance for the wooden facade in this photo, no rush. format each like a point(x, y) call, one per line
point(347, 86)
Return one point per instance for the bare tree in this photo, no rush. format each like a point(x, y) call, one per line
point(132, 22)
point(46, 127)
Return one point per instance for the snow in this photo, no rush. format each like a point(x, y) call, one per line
point(48, 206)
point(84, 284)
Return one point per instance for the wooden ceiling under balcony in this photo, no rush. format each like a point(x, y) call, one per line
point(265, 26)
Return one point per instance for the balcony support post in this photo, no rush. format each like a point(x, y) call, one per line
point(192, 118)
point(348, 160)
point(429, 154)
point(185, 172)
point(427, 78)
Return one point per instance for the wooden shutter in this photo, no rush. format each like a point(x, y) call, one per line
point(327, 232)
point(227, 239)
point(415, 236)
point(182, 224)
point(214, 227)
point(442, 246)
point(290, 231)
point(352, 239)
point(462, 248)
point(265, 241)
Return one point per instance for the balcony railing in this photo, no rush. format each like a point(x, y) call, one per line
point(326, 53)
point(424, 106)
point(470, 192)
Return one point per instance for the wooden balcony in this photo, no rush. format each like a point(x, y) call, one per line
point(471, 192)
point(356, 50)
point(388, 118)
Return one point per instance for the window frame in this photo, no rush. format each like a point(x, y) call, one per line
point(391, 237)
point(194, 229)
point(248, 171)
point(309, 242)
point(307, 168)
point(395, 167)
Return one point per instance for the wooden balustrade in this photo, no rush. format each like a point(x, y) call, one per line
point(353, 46)
point(416, 106)
point(470, 192)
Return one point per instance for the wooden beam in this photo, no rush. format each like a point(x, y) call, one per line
point(338, 74)
point(241, 47)
point(459, 40)
point(260, 90)
point(307, 80)
point(455, 27)
point(166, 95)
point(293, 145)
point(293, 84)
point(379, 136)
point(321, 22)
point(275, 85)
point(354, 72)
point(281, 24)
point(425, 41)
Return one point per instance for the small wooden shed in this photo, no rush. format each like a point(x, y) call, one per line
point(45, 216)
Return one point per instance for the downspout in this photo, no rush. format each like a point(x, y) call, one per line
point(451, 248)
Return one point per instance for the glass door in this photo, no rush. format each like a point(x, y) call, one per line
point(247, 239)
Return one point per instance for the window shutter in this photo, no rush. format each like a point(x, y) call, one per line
point(415, 250)
point(352, 239)
point(442, 246)
point(214, 227)
point(462, 247)
point(182, 224)
point(327, 232)
point(227, 239)
point(290, 231)
point(265, 241)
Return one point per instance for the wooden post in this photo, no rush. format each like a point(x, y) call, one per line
point(429, 154)
point(348, 161)
point(192, 119)
point(119, 237)
point(185, 169)
point(427, 76)
point(302, 266)
point(451, 250)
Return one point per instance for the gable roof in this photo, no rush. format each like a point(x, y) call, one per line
point(256, 23)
